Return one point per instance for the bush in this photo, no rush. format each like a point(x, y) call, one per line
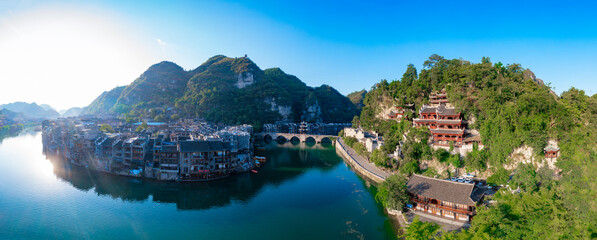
point(500, 177)
point(409, 167)
point(380, 158)
point(421, 230)
point(441, 155)
point(391, 193)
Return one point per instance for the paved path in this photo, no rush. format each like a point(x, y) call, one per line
point(363, 162)
point(446, 224)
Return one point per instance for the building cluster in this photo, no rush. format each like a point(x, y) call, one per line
point(187, 150)
point(305, 128)
point(371, 140)
point(397, 112)
point(447, 199)
point(446, 124)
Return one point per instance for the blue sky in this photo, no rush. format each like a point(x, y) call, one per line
point(349, 45)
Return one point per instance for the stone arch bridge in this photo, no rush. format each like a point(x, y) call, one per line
point(297, 136)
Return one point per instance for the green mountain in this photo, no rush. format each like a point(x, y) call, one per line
point(511, 108)
point(104, 103)
point(72, 112)
point(223, 89)
point(357, 98)
point(32, 110)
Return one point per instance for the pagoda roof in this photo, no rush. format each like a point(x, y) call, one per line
point(447, 121)
point(424, 120)
point(447, 131)
point(551, 148)
point(427, 109)
point(443, 190)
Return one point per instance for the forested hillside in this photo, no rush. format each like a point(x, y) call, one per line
point(511, 108)
point(226, 90)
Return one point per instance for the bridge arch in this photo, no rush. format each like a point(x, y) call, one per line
point(281, 139)
point(310, 139)
point(325, 140)
point(267, 138)
point(295, 139)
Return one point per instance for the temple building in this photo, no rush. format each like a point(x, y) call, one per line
point(445, 123)
point(443, 198)
point(551, 151)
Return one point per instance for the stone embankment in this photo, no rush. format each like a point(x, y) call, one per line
point(360, 164)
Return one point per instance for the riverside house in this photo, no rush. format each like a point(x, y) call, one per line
point(443, 198)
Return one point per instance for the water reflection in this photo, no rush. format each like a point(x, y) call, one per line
point(286, 162)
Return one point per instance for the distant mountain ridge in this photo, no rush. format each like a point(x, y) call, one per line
point(223, 89)
point(32, 110)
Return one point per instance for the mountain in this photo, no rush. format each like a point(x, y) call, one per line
point(6, 114)
point(104, 102)
point(47, 107)
point(31, 110)
point(72, 112)
point(513, 111)
point(357, 98)
point(227, 90)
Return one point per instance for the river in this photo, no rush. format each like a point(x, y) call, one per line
point(302, 192)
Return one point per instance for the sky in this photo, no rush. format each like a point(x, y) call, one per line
point(66, 53)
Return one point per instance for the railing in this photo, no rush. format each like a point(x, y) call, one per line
point(452, 209)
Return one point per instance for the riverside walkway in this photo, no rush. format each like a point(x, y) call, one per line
point(363, 165)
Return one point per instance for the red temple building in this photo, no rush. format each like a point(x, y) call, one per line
point(551, 151)
point(443, 198)
point(446, 124)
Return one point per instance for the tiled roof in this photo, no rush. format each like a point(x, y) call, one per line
point(551, 148)
point(444, 121)
point(447, 131)
point(443, 190)
point(203, 146)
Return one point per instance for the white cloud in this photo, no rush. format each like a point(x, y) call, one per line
point(160, 42)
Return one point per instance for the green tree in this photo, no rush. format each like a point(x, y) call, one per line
point(391, 193)
point(418, 230)
point(441, 155)
point(526, 177)
point(106, 128)
point(380, 158)
point(500, 177)
point(142, 127)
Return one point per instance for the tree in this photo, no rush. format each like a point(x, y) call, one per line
point(160, 118)
point(380, 158)
point(418, 230)
point(441, 155)
point(526, 177)
point(500, 177)
point(391, 193)
point(106, 128)
point(141, 127)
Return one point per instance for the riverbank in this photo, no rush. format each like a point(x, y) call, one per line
point(369, 171)
point(362, 166)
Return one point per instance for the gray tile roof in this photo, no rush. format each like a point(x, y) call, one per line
point(203, 146)
point(447, 131)
point(444, 121)
point(551, 148)
point(440, 189)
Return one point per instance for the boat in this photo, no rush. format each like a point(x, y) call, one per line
point(261, 148)
point(260, 159)
point(254, 171)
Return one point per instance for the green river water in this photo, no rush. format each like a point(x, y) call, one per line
point(302, 192)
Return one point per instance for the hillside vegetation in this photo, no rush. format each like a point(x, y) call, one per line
point(511, 108)
point(226, 90)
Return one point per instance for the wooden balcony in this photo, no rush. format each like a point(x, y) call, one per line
point(447, 208)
